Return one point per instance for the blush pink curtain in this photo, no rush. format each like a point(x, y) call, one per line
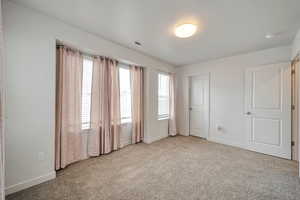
point(69, 145)
point(104, 136)
point(137, 85)
point(172, 109)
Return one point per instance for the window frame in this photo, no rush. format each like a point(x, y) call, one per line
point(86, 129)
point(163, 116)
point(126, 120)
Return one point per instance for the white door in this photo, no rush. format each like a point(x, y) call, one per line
point(199, 106)
point(268, 109)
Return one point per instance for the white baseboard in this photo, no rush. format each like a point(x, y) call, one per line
point(226, 142)
point(184, 132)
point(29, 183)
point(153, 139)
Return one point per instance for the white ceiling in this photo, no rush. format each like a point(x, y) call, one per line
point(228, 27)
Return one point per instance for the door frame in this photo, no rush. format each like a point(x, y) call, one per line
point(298, 88)
point(186, 91)
point(295, 108)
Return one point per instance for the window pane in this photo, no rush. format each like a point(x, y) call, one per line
point(125, 95)
point(86, 93)
point(163, 95)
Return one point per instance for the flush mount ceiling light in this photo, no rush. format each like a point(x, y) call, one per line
point(269, 36)
point(185, 30)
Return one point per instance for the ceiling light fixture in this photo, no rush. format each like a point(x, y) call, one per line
point(185, 30)
point(269, 36)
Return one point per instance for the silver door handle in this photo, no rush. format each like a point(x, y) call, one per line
point(190, 108)
point(248, 113)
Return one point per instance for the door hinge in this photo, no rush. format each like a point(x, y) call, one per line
point(293, 71)
point(293, 107)
point(293, 143)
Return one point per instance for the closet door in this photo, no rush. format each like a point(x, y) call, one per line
point(199, 106)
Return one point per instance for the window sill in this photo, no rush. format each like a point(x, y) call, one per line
point(125, 123)
point(86, 131)
point(163, 118)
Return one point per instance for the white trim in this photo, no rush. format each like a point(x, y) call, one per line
point(185, 134)
point(29, 183)
point(227, 142)
point(294, 118)
point(163, 117)
point(124, 66)
point(163, 72)
point(154, 139)
point(126, 120)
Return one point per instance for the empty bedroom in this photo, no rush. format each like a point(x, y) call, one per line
point(149, 100)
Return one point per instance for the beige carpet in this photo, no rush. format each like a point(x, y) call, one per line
point(173, 168)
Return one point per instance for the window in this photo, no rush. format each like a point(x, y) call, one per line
point(86, 93)
point(163, 96)
point(125, 94)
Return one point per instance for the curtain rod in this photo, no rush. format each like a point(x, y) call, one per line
point(92, 55)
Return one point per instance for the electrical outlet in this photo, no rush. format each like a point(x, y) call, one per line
point(41, 156)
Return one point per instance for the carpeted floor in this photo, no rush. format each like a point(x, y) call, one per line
point(173, 169)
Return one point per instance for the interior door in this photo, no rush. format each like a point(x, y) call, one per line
point(199, 106)
point(268, 109)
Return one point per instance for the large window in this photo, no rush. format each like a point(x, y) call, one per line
point(125, 94)
point(86, 93)
point(163, 96)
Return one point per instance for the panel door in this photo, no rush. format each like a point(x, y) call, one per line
point(199, 106)
point(268, 109)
